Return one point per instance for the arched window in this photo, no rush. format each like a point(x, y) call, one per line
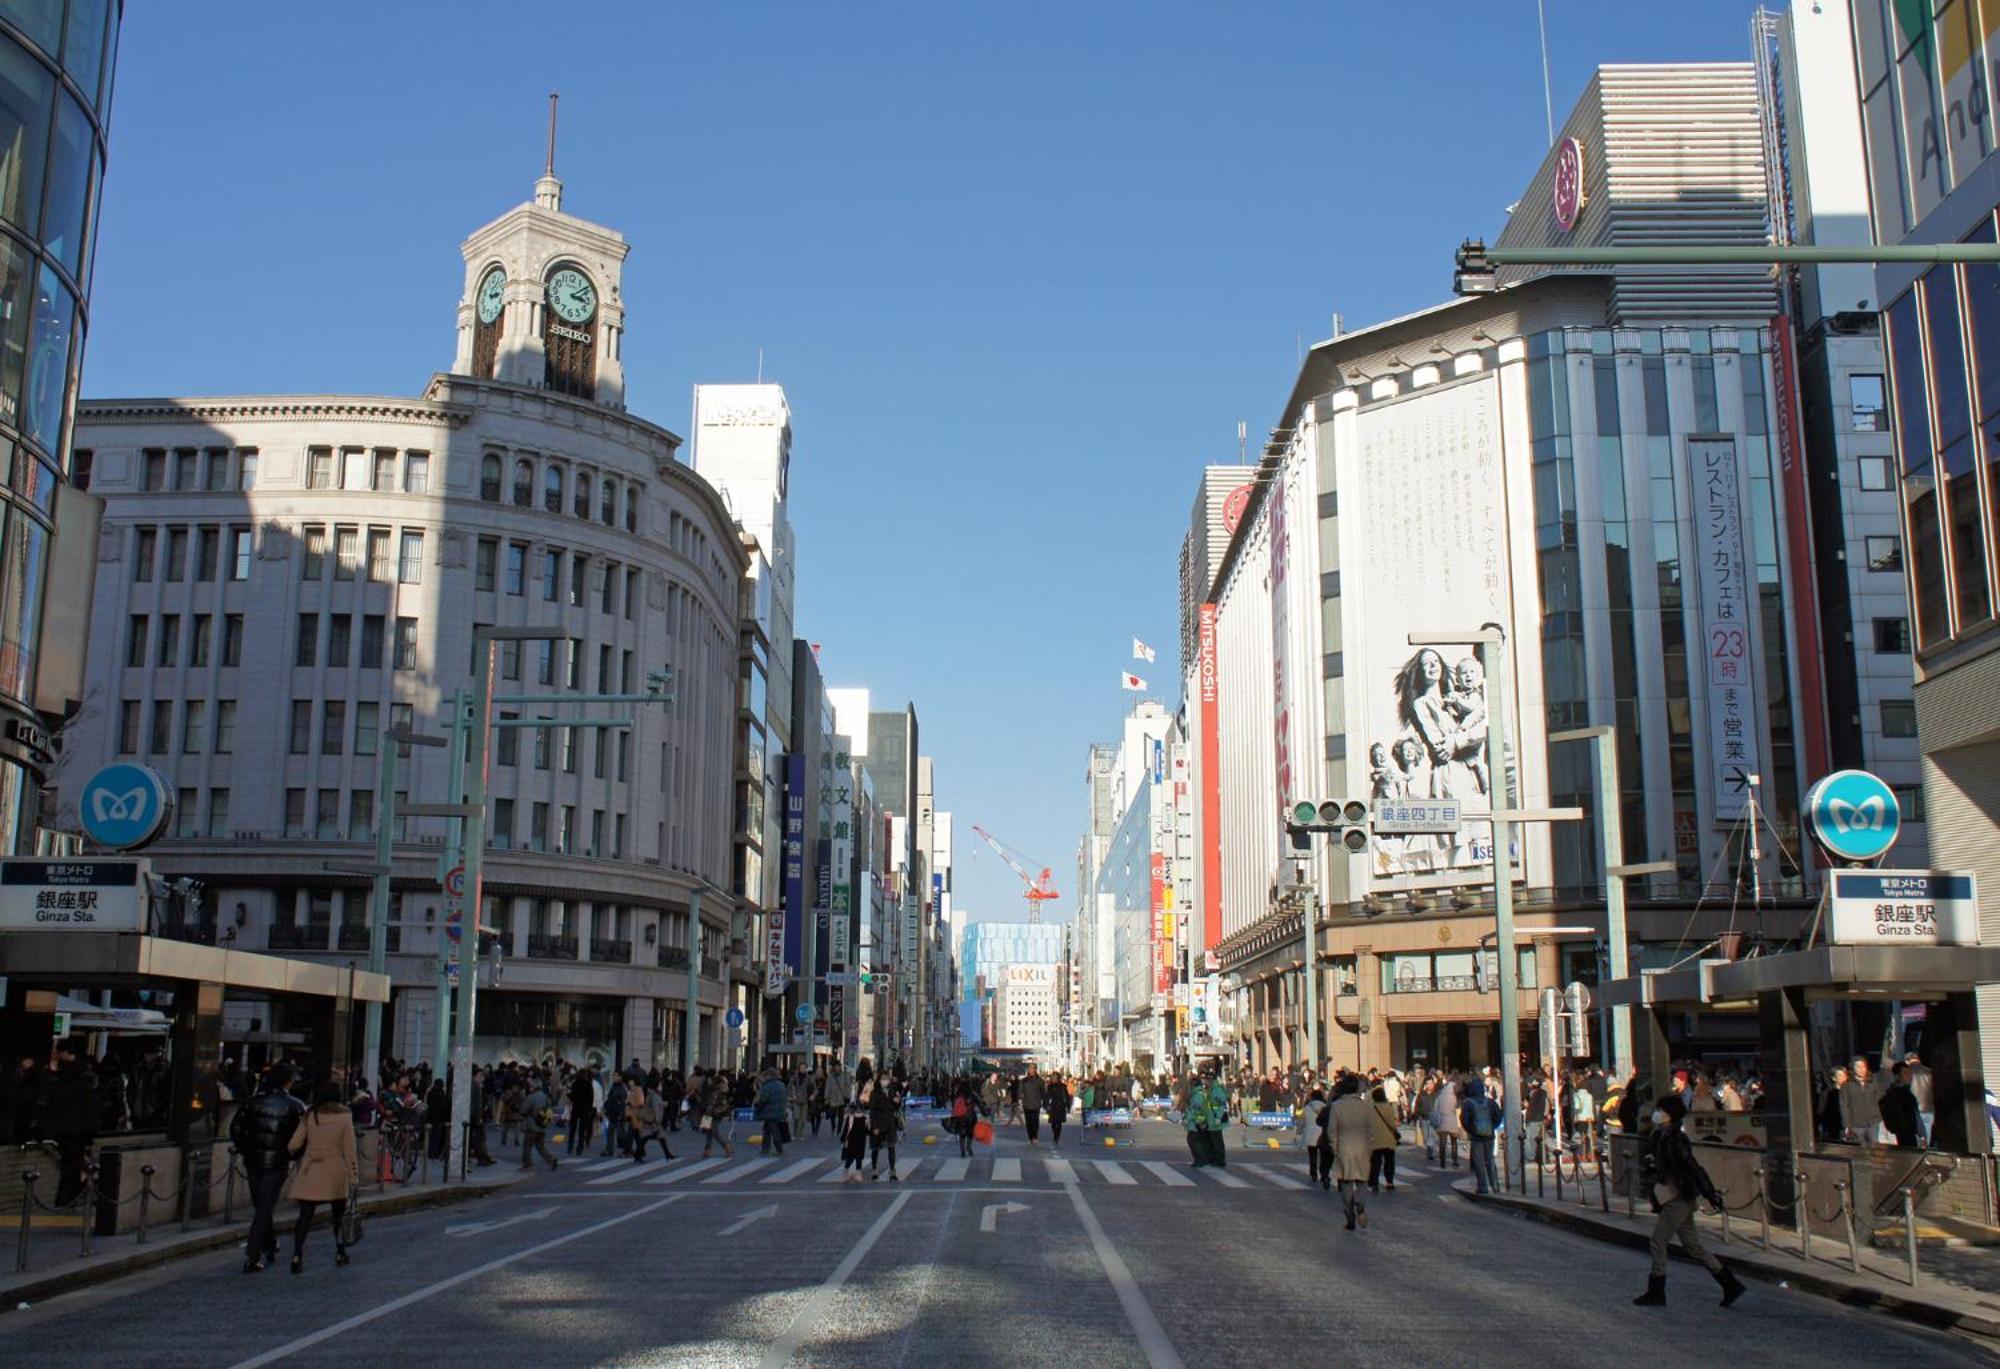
point(524, 484)
point(632, 508)
point(582, 504)
point(552, 488)
point(608, 509)
point(489, 479)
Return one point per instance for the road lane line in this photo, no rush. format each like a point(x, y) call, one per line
point(1160, 1352)
point(444, 1285)
point(603, 1165)
point(793, 1171)
point(1060, 1171)
point(1165, 1173)
point(1007, 1171)
point(674, 1176)
point(787, 1345)
point(742, 1171)
point(1114, 1172)
point(1271, 1176)
point(1224, 1177)
point(952, 1171)
point(633, 1170)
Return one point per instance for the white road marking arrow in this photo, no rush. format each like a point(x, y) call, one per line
point(989, 1219)
point(755, 1215)
point(474, 1228)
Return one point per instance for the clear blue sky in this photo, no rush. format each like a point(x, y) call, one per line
point(1020, 267)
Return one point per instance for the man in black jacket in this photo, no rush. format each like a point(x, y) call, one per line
point(582, 1111)
point(261, 1131)
point(69, 1116)
point(1678, 1183)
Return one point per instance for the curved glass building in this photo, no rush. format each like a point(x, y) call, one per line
point(56, 62)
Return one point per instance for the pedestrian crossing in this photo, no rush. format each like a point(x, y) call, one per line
point(973, 1171)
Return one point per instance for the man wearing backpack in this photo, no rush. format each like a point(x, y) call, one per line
point(1678, 1182)
point(1480, 1116)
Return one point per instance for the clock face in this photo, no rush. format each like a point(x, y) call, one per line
point(492, 295)
point(572, 296)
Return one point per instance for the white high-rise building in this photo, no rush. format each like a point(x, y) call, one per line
point(1025, 1011)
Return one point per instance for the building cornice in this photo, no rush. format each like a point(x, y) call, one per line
point(270, 408)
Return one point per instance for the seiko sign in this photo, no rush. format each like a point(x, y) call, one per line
point(563, 330)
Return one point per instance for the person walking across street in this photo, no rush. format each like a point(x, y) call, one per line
point(1055, 1104)
point(1383, 1138)
point(1207, 1114)
point(854, 1125)
point(1678, 1184)
point(261, 1131)
point(614, 1115)
point(585, 1095)
point(773, 1102)
point(1479, 1118)
point(718, 1114)
point(1033, 1092)
point(642, 1120)
point(329, 1169)
point(1350, 1124)
point(885, 1120)
point(1445, 1122)
point(70, 1117)
point(537, 1112)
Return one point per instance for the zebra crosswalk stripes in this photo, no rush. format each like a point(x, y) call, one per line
point(1007, 1170)
point(954, 1170)
point(1114, 1173)
point(1166, 1174)
point(725, 1171)
point(1271, 1176)
point(1224, 1177)
point(1060, 1171)
point(795, 1169)
point(742, 1171)
point(674, 1176)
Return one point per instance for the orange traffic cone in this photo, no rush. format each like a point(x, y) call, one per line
point(383, 1173)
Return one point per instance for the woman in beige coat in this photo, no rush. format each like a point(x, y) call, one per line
point(328, 1168)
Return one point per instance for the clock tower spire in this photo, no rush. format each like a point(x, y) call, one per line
point(543, 304)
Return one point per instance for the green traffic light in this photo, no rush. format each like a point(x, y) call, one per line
point(1304, 813)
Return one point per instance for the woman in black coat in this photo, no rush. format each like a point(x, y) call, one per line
point(1055, 1106)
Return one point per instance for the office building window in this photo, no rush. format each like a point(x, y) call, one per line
point(367, 728)
point(608, 603)
point(218, 813)
point(507, 741)
point(306, 653)
point(295, 812)
point(302, 726)
point(198, 639)
point(1868, 402)
point(410, 559)
point(194, 726)
point(360, 814)
point(1892, 636)
point(246, 470)
point(184, 468)
point(552, 488)
point(225, 727)
point(618, 836)
point(1899, 718)
point(1884, 553)
point(208, 555)
point(176, 562)
point(486, 563)
point(631, 594)
point(551, 576)
point(417, 473)
point(170, 639)
point(354, 469)
point(541, 761)
point(524, 484)
point(372, 627)
point(624, 753)
point(128, 727)
point(384, 479)
point(596, 832)
point(632, 495)
point(135, 639)
point(215, 477)
point(326, 815)
point(510, 660)
point(187, 812)
point(319, 468)
point(378, 555)
point(517, 567)
point(346, 552)
point(581, 507)
point(579, 565)
point(160, 743)
point(489, 478)
point(545, 670)
point(572, 651)
point(145, 549)
point(333, 727)
point(232, 639)
point(502, 834)
point(402, 718)
point(1875, 473)
point(607, 510)
point(566, 829)
point(312, 566)
point(241, 548)
point(538, 827)
point(1910, 802)
point(339, 638)
point(156, 470)
point(406, 644)
point(566, 746)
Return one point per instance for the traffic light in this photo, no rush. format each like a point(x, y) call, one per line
point(1474, 275)
point(1346, 817)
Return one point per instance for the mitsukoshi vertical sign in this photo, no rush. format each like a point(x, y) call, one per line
point(1728, 611)
point(1211, 782)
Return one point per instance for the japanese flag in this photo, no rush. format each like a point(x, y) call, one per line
point(1134, 682)
point(1140, 651)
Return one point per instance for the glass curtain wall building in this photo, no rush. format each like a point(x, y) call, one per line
point(56, 64)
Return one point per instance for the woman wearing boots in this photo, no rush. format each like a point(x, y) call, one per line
point(1678, 1183)
point(328, 1168)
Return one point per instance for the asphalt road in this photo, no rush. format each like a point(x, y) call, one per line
point(1108, 1258)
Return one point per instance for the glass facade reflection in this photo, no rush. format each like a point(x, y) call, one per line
point(56, 63)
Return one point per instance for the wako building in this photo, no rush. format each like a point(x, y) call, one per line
point(282, 579)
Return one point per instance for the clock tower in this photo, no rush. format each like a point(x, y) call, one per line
point(543, 303)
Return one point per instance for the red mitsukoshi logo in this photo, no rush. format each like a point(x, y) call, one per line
point(1570, 196)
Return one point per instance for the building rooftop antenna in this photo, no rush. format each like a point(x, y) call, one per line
point(1242, 443)
point(551, 169)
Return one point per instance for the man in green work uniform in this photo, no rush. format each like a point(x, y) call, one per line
point(1207, 1114)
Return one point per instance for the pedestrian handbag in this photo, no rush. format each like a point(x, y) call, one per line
point(350, 1220)
point(982, 1132)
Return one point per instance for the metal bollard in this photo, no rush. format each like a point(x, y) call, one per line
point(423, 1160)
point(1910, 1230)
point(1603, 1182)
point(1559, 1176)
point(1804, 1209)
point(1541, 1175)
point(1847, 1222)
point(187, 1190)
point(465, 1151)
point(1763, 1206)
point(28, 1181)
point(145, 1198)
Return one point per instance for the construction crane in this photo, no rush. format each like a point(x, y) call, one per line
point(1040, 888)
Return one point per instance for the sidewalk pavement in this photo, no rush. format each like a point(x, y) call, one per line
point(55, 1264)
point(1957, 1288)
